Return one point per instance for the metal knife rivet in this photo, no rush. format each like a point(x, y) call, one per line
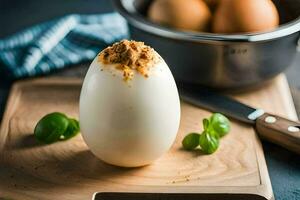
point(293, 129)
point(270, 119)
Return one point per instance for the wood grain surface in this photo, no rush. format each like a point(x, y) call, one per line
point(68, 170)
point(296, 98)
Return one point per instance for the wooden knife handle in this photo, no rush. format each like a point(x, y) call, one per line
point(278, 130)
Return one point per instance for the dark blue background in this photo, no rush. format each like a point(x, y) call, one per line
point(15, 15)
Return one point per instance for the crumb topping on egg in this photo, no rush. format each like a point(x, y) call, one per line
point(130, 56)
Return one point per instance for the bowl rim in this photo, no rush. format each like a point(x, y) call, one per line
point(127, 10)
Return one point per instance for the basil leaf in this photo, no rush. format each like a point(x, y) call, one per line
point(191, 141)
point(205, 124)
point(72, 130)
point(50, 128)
point(208, 143)
point(220, 124)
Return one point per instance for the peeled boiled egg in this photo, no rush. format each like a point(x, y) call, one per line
point(237, 16)
point(129, 109)
point(181, 14)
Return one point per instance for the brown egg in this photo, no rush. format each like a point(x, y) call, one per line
point(237, 16)
point(181, 14)
point(212, 4)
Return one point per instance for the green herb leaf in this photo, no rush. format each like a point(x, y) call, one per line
point(50, 128)
point(191, 141)
point(214, 128)
point(72, 130)
point(205, 124)
point(54, 127)
point(208, 143)
point(220, 124)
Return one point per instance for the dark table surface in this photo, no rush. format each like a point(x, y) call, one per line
point(15, 15)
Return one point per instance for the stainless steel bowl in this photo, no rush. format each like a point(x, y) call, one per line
point(215, 60)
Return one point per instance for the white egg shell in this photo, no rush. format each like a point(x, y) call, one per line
point(130, 123)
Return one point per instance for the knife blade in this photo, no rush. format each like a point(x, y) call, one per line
point(273, 128)
point(216, 102)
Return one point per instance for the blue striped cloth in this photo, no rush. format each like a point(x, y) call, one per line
point(59, 43)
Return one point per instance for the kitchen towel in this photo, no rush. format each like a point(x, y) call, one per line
point(59, 43)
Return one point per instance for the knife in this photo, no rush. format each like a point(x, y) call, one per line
point(270, 127)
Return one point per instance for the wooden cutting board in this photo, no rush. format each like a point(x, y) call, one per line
point(68, 170)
